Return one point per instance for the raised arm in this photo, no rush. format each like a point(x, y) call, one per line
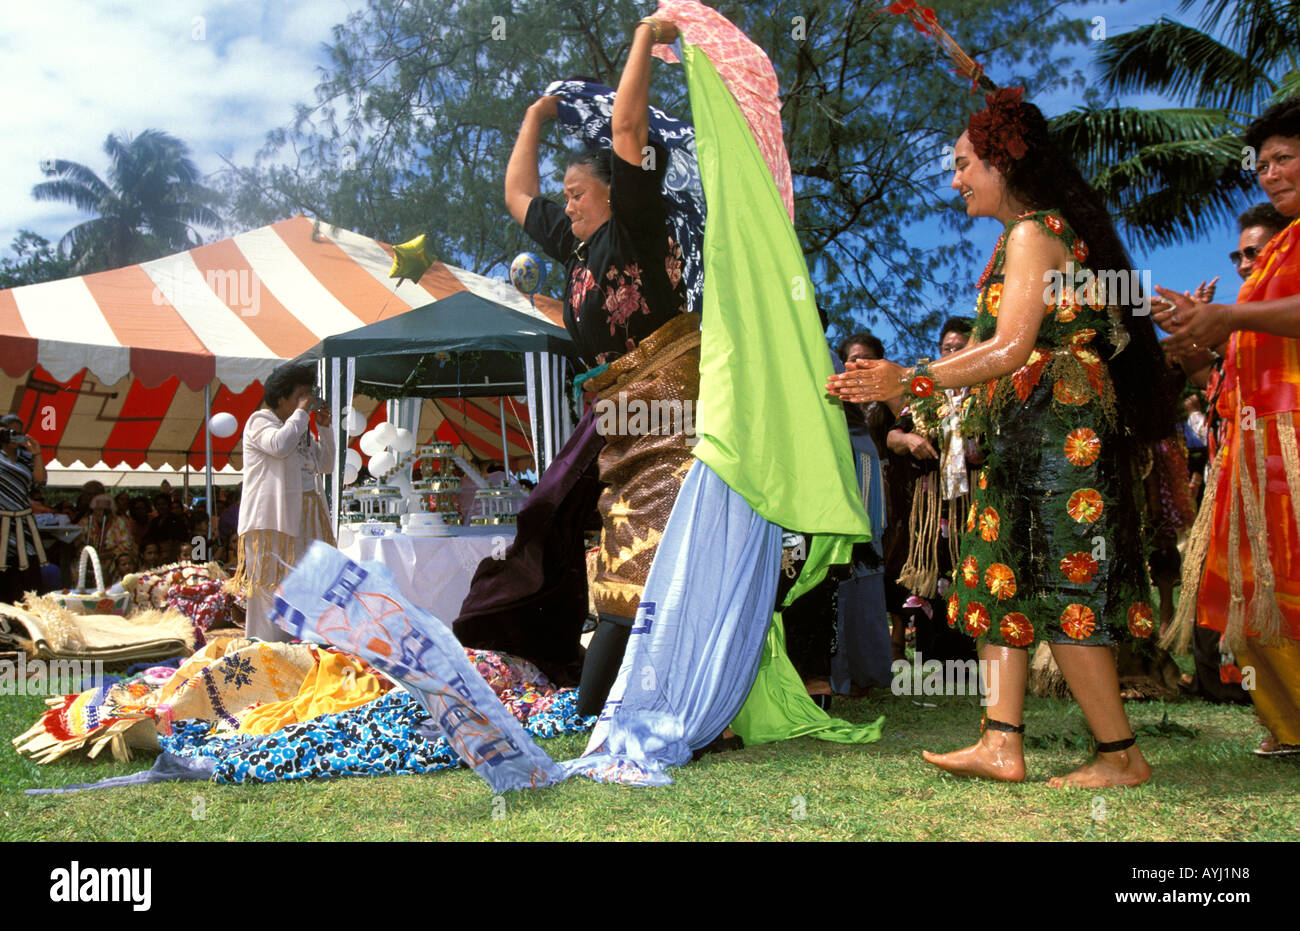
point(280, 441)
point(522, 183)
point(1031, 255)
point(326, 449)
point(630, 123)
point(38, 464)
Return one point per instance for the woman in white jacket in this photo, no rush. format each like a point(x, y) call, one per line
point(282, 510)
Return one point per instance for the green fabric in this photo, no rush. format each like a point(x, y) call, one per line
point(765, 423)
point(778, 708)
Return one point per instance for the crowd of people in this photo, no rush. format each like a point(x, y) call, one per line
point(129, 532)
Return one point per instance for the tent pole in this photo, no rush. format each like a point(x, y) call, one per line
point(505, 452)
point(207, 442)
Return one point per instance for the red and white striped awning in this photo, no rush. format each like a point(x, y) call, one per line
point(112, 366)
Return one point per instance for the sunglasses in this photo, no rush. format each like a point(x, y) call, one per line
point(1250, 253)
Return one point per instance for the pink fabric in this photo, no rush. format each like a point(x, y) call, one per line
point(746, 71)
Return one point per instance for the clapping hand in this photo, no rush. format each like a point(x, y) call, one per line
point(1204, 292)
point(1195, 324)
point(868, 380)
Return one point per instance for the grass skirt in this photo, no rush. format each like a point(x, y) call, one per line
point(267, 556)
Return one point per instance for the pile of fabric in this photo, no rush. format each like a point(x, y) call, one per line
point(268, 712)
point(204, 601)
point(152, 615)
point(199, 591)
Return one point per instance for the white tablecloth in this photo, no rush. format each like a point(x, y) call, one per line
point(434, 572)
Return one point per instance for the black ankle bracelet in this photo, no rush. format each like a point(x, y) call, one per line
point(1114, 746)
point(990, 724)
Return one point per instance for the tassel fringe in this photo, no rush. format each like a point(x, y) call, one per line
point(920, 574)
point(1178, 639)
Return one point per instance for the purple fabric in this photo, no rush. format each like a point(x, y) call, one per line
point(532, 603)
point(167, 768)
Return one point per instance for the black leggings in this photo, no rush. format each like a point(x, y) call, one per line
point(600, 668)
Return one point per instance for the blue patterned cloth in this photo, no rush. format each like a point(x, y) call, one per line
point(390, 736)
point(358, 608)
point(585, 113)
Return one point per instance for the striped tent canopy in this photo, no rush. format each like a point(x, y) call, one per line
point(113, 366)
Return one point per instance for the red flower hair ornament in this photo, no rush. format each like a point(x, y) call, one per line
point(997, 133)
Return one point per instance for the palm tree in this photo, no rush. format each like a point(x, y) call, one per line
point(1174, 173)
point(146, 209)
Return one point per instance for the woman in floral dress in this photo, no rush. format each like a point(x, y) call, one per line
point(1065, 399)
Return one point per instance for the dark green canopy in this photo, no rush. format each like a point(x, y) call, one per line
point(461, 346)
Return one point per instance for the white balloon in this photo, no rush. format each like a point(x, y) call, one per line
point(346, 537)
point(386, 433)
point(355, 421)
point(404, 441)
point(370, 444)
point(382, 463)
point(350, 474)
point(223, 424)
point(353, 459)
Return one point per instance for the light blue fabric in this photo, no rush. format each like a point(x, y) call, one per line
point(690, 662)
point(358, 608)
point(698, 636)
point(167, 768)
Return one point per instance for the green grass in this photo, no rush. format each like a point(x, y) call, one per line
point(1210, 787)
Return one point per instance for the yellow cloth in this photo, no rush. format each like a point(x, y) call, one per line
point(336, 683)
point(1277, 686)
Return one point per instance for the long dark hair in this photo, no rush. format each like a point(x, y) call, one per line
point(1045, 178)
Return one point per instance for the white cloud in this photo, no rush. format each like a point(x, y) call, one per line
point(218, 75)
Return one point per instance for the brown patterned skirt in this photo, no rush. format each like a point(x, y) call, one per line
point(645, 410)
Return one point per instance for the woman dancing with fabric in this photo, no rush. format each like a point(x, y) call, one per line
point(1063, 401)
point(624, 303)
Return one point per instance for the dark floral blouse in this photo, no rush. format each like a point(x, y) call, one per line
point(626, 280)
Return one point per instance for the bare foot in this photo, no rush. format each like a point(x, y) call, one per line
point(996, 755)
point(1125, 768)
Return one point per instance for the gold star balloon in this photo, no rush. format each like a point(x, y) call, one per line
point(410, 261)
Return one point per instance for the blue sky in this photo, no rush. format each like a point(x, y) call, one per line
point(220, 74)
